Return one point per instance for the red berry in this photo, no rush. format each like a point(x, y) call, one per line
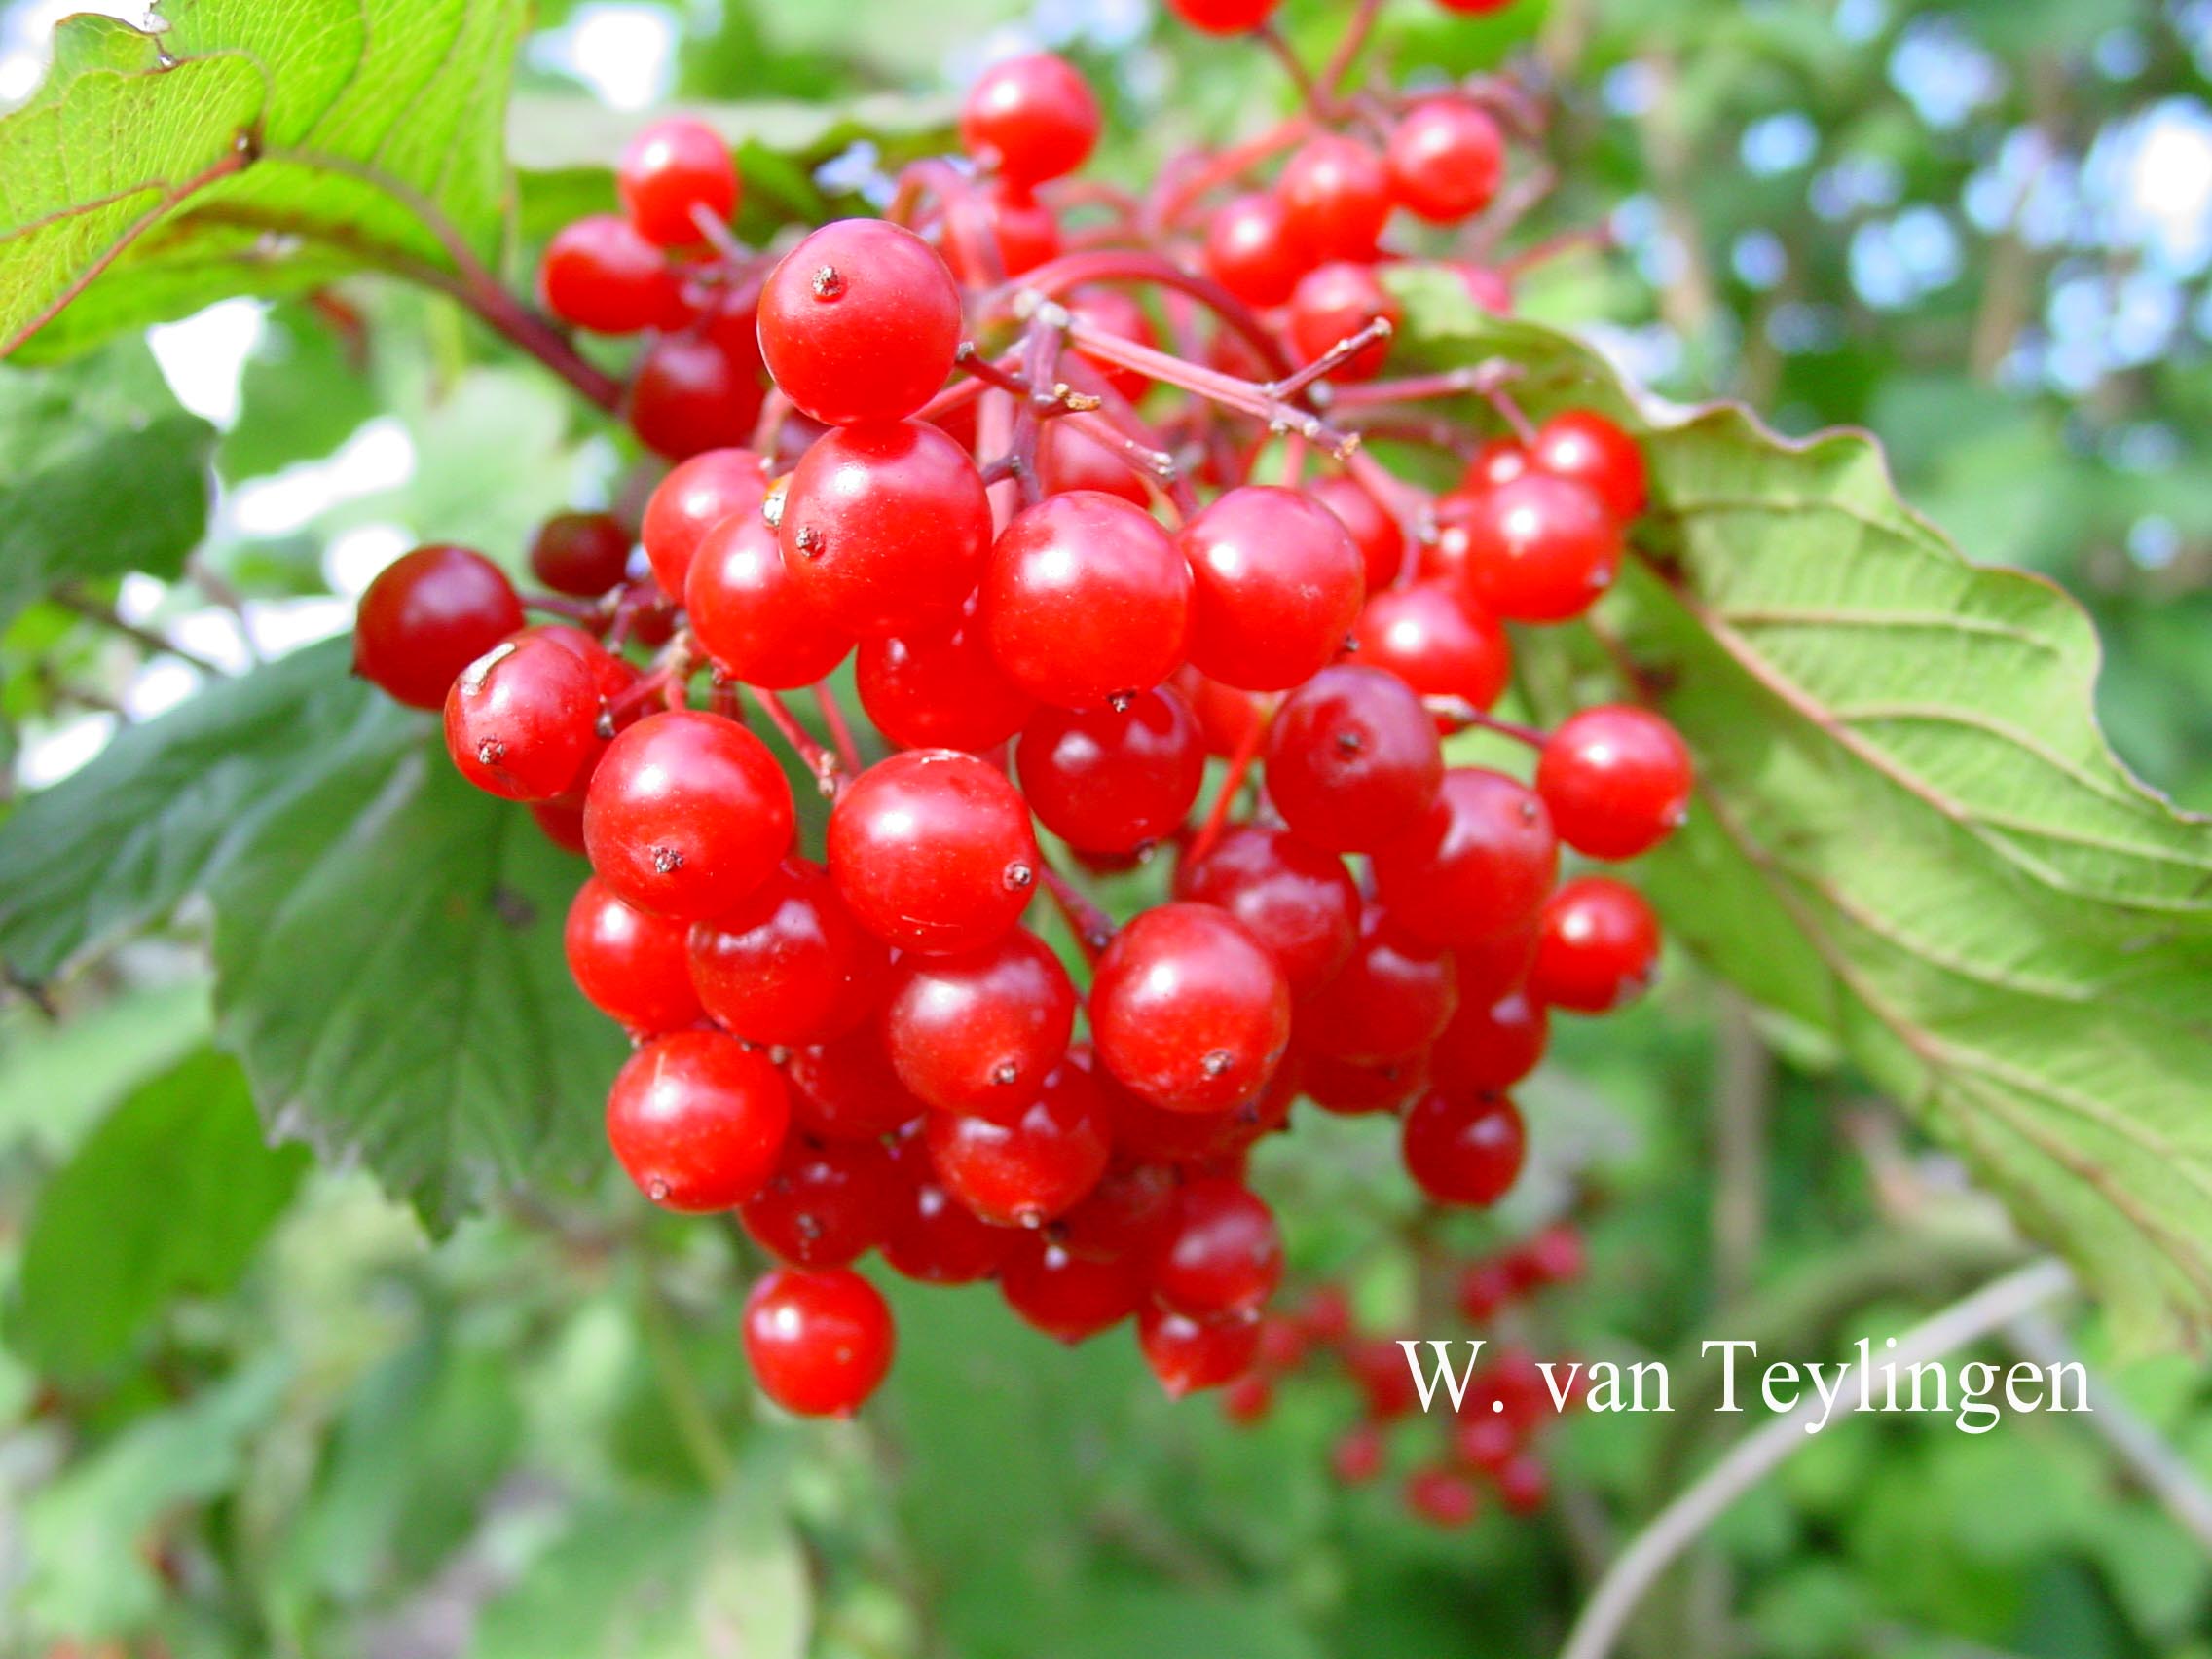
point(1482, 1289)
point(1388, 1002)
point(1358, 1456)
point(1496, 461)
point(787, 964)
point(1582, 443)
point(1385, 1383)
point(598, 273)
point(584, 554)
point(1541, 548)
point(1297, 899)
point(933, 851)
point(1125, 1215)
point(695, 498)
point(1464, 1149)
point(886, 528)
point(1491, 289)
point(1325, 1315)
point(1023, 228)
point(1113, 781)
point(1068, 1297)
point(1069, 461)
point(819, 1343)
point(827, 1205)
point(1110, 311)
point(690, 394)
point(1617, 780)
point(1597, 948)
point(1189, 1010)
point(1249, 252)
point(427, 616)
point(1221, 1252)
point(1030, 118)
point(1038, 1166)
point(1276, 586)
point(1441, 1497)
point(1380, 542)
point(979, 1032)
point(941, 690)
point(1522, 1486)
point(859, 322)
point(1490, 1046)
point(930, 1235)
point(670, 173)
point(1436, 643)
point(1336, 196)
point(749, 614)
point(1351, 1088)
point(845, 1089)
point(521, 719)
point(1479, 866)
point(686, 814)
point(562, 822)
point(1086, 600)
point(1352, 758)
point(1445, 159)
point(1555, 1256)
point(697, 1120)
point(1187, 1354)
point(1248, 1399)
point(630, 966)
point(1334, 302)
point(1223, 17)
point(1227, 719)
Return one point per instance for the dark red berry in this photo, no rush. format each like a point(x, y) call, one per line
point(827, 1204)
point(582, 554)
point(698, 1119)
point(1597, 947)
point(979, 1032)
point(1490, 1045)
point(933, 851)
point(1387, 1002)
point(845, 1089)
point(1113, 780)
point(690, 394)
point(686, 814)
point(1028, 1171)
point(1616, 779)
point(1187, 1354)
point(1189, 1010)
point(630, 966)
point(427, 616)
point(1464, 1149)
point(787, 964)
point(1479, 866)
point(1221, 1252)
point(932, 1237)
point(1352, 759)
point(1125, 1215)
point(1351, 1088)
point(1296, 899)
point(1068, 1297)
point(941, 690)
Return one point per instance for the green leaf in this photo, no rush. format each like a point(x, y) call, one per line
point(1909, 831)
point(387, 940)
point(102, 471)
point(169, 1197)
point(258, 146)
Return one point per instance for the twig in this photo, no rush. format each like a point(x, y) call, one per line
point(1753, 1458)
point(840, 728)
point(1093, 927)
point(74, 598)
point(828, 773)
point(1232, 786)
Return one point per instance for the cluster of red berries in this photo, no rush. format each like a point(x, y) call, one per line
point(960, 481)
point(1491, 1438)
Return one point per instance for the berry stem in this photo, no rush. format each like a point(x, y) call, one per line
point(587, 612)
point(1056, 277)
point(1509, 410)
point(1464, 715)
point(840, 728)
point(1040, 362)
point(1598, 237)
point(1232, 786)
point(1342, 351)
point(1475, 378)
point(1340, 61)
point(963, 226)
point(1175, 199)
point(1092, 928)
point(829, 775)
point(1314, 96)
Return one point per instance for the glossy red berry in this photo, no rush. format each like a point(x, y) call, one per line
point(561, 821)
point(690, 394)
point(1441, 1498)
point(1113, 780)
point(1335, 197)
point(1188, 1354)
point(1223, 17)
point(979, 1032)
point(686, 814)
point(1597, 947)
point(1277, 587)
point(886, 528)
point(671, 173)
point(819, 1343)
point(1040, 1165)
point(1582, 443)
point(1068, 1297)
point(1296, 899)
point(1030, 119)
point(1352, 1089)
point(582, 554)
point(933, 851)
point(1124, 1216)
point(1387, 1004)
point(1496, 461)
point(750, 615)
point(1221, 1252)
point(630, 966)
point(1188, 1010)
point(1445, 159)
point(845, 1089)
point(941, 690)
point(787, 964)
point(521, 719)
point(429, 615)
point(600, 274)
point(1436, 643)
point(1617, 780)
point(1464, 1149)
point(698, 1120)
point(1249, 251)
point(695, 498)
point(1352, 759)
point(827, 1204)
point(1334, 302)
point(859, 322)
point(1358, 1456)
point(1385, 1384)
point(1229, 719)
point(1541, 548)
point(1490, 1045)
point(1479, 866)
point(932, 1237)
point(1248, 1399)
point(1086, 600)
point(1380, 542)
